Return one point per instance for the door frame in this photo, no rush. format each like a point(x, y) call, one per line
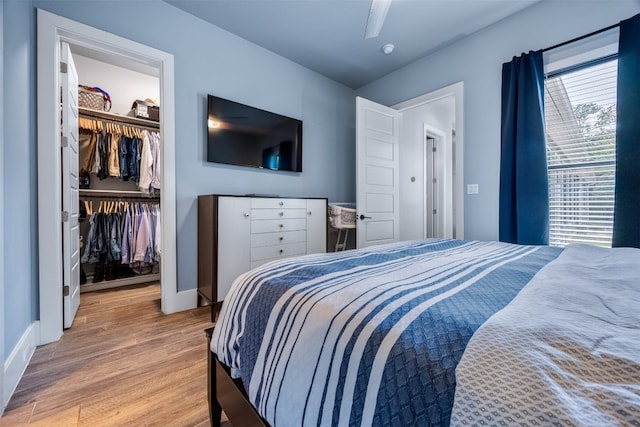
point(457, 91)
point(52, 30)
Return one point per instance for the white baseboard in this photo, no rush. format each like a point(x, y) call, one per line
point(186, 300)
point(18, 360)
point(180, 301)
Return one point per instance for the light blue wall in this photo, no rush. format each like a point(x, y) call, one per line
point(477, 60)
point(19, 172)
point(207, 60)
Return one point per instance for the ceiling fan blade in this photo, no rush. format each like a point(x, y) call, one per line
point(377, 14)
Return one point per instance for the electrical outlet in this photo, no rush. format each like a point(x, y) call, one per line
point(472, 189)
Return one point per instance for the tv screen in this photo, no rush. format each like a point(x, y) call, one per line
point(238, 134)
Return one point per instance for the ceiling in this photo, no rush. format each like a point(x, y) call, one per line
point(327, 36)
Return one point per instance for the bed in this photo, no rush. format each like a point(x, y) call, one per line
point(374, 336)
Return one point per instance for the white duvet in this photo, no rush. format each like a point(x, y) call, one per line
point(566, 351)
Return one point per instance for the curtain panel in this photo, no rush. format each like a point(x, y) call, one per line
point(626, 222)
point(524, 183)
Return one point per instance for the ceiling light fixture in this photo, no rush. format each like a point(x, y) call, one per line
point(377, 14)
point(387, 48)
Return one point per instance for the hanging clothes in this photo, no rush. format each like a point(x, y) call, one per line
point(103, 155)
point(123, 234)
point(146, 163)
point(120, 239)
point(155, 153)
point(134, 159)
point(114, 157)
point(123, 151)
point(124, 158)
point(87, 163)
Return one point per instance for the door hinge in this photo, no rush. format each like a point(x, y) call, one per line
point(65, 142)
point(65, 216)
point(65, 291)
point(433, 149)
point(435, 212)
point(63, 67)
point(435, 180)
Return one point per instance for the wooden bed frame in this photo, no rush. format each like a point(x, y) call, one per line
point(228, 394)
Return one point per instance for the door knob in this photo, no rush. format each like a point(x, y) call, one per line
point(364, 217)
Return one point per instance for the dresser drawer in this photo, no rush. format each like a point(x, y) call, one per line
point(258, 214)
point(278, 251)
point(274, 225)
point(271, 239)
point(269, 203)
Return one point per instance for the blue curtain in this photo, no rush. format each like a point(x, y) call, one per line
point(524, 184)
point(626, 221)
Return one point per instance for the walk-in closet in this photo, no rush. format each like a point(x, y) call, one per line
point(119, 157)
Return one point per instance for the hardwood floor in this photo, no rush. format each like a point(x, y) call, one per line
point(122, 363)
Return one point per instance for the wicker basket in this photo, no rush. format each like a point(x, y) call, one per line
point(90, 99)
point(93, 98)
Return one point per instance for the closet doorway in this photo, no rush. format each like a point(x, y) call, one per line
point(121, 181)
point(92, 43)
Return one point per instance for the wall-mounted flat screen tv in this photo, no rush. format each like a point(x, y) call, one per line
point(241, 135)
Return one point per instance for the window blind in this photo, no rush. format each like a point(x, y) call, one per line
point(580, 120)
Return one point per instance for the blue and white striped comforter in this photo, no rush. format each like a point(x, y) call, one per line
point(366, 337)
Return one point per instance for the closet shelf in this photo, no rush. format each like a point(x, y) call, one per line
point(87, 112)
point(117, 193)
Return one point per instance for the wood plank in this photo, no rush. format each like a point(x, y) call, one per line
point(123, 362)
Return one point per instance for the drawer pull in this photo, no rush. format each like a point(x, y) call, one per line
point(281, 251)
point(281, 239)
point(281, 214)
point(281, 203)
point(281, 225)
point(246, 214)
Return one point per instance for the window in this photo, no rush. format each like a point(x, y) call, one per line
point(580, 120)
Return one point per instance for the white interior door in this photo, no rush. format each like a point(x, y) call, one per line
point(377, 178)
point(70, 202)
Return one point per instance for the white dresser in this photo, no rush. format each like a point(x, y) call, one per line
point(238, 233)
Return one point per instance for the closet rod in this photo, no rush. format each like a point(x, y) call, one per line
point(121, 199)
point(86, 112)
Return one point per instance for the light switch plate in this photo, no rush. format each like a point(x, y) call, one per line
point(472, 189)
